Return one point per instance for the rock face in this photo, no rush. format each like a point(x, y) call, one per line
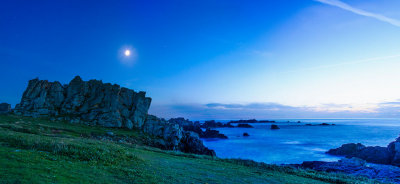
point(96, 103)
point(5, 108)
point(375, 154)
point(85, 101)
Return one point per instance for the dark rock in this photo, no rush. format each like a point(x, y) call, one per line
point(246, 134)
point(274, 127)
point(213, 134)
point(374, 154)
point(244, 125)
point(196, 127)
point(5, 108)
point(190, 143)
point(324, 124)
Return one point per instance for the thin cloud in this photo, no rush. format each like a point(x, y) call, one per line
point(347, 7)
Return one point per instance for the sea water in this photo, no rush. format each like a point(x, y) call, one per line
point(295, 142)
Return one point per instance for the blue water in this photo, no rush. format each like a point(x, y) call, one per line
point(295, 142)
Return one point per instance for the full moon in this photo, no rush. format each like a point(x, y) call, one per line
point(127, 52)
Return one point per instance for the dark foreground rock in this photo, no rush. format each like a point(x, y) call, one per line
point(5, 108)
point(246, 134)
point(375, 154)
point(96, 103)
point(357, 167)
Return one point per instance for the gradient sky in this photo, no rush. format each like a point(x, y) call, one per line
point(211, 59)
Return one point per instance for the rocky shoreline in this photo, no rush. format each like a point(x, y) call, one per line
point(103, 104)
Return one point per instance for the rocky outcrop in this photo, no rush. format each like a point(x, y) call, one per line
point(172, 136)
point(197, 128)
point(244, 125)
point(214, 124)
point(357, 167)
point(213, 134)
point(274, 127)
point(96, 103)
point(5, 108)
point(375, 154)
point(92, 102)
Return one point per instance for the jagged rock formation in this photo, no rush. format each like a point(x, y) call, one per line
point(5, 108)
point(375, 154)
point(85, 101)
point(96, 103)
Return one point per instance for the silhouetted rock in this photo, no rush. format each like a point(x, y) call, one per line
point(374, 154)
point(213, 134)
point(246, 134)
point(244, 125)
point(196, 127)
point(5, 108)
point(274, 127)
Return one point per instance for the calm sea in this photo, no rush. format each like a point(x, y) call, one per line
point(294, 142)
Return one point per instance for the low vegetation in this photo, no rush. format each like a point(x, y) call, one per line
point(37, 150)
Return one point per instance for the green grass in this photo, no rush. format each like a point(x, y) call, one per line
point(43, 151)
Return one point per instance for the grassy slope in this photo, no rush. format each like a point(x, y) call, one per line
point(41, 151)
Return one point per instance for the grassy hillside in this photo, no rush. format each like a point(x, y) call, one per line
point(42, 151)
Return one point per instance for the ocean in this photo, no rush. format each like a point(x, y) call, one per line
point(295, 142)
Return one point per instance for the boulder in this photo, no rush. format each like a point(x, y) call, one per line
point(246, 134)
point(5, 108)
point(274, 127)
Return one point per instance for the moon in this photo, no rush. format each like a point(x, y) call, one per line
point(127, 52)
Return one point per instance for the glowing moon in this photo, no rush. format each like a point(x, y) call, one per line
point(127, 52)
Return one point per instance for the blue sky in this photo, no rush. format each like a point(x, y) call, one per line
point(214, 59)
